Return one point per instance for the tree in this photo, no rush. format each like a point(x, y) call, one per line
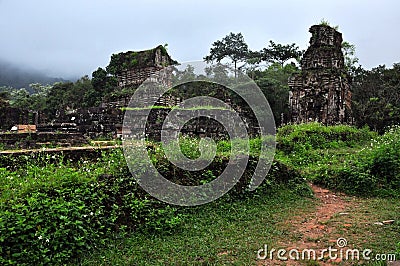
point(76, 95)
point(4, 96)
point(3, 99)
point(376, 97)
point(278, 53)
point(99, 79)
point(19, 98)
point(37, 100)
point(185, 75)
point(350, 58)
point(273, 83)
point(103, 84)
point(232, 46)
point(57, 97)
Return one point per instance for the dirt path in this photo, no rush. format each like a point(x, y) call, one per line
point(316, 230)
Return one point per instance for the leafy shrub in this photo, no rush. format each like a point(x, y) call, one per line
point(294, 138)
point(384, 158)
point(43, 230)
point(375, 170)
point(52, 214)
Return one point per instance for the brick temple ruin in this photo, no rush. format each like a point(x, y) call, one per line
point(321, 92)
point(133, 68)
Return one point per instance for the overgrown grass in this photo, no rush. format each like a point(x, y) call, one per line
point(356, 161)
point(222, 233)
point(364, 233)
point(214, 234)
point(306, 137)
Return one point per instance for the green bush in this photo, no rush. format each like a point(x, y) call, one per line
point(384, 161)
point(47, 230)
point(294, 138)
point(373, 171)
point(51, 214)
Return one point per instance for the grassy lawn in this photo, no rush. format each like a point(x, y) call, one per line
point(213, 234)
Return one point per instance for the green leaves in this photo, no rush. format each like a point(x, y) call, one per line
point(310, 136)
point(376, 97)
point(231, 46)
point(278, 53)
point(55, 213)
point(355, 161)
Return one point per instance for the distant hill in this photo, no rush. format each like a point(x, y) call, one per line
point(18, 77)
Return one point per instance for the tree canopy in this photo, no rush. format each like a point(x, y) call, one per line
point(232, 46)
point(376, 97)
point(278, 53)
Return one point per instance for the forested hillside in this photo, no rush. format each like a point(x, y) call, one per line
point(20, 77)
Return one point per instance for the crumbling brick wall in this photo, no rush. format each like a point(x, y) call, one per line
point(199, 126)
point(10, 116)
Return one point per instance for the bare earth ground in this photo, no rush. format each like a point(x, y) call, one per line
point(317, 230)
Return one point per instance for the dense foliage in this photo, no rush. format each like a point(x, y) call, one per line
point(53, 209)
point(344, 158)
point(312, 136)
point(273, 83)
point(376, 97)
point(53, 212)
point(374, 170)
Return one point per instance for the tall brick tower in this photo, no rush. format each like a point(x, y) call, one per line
point(321, 92)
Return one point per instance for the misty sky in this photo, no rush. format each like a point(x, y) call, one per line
point(72, 38)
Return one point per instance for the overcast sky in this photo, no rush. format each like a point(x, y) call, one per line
point(74, 37)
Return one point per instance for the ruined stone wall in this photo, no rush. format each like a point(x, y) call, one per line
point(38, 140)
point(107, 123)
point(132, 77)
point(321, 92)
point(95, 122)
point(200, 126)
point(10, 117)
point(75, 127)
point(147, 66)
